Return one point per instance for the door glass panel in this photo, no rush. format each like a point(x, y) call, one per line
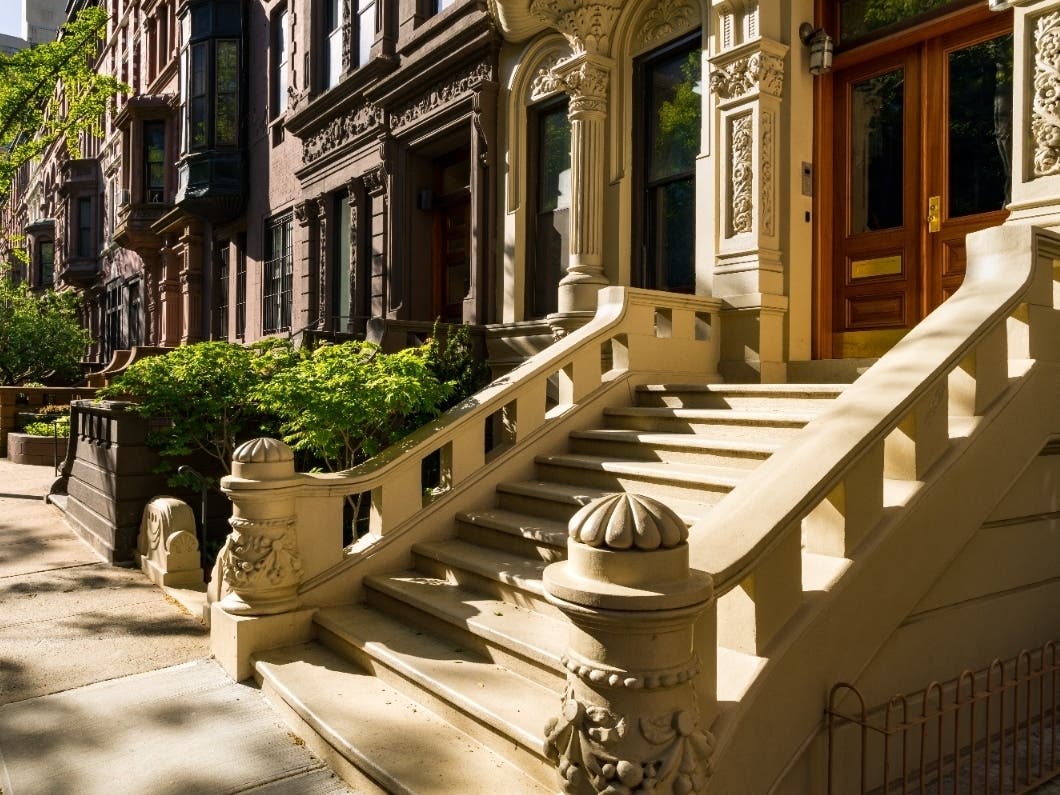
point(980, 127)
point(876, 153)
point(858, 18)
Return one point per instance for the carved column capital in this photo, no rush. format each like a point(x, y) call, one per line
point(587, 25)
point(375, 180)
point(758, 71)
point(585, 79)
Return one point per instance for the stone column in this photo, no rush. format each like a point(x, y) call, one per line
point(631, 719)
point(585, 77)
point(376, 184)
point(305, 214)
point(747, 88)
point(191, 285)
point(1036, 113)
point(323, 281)
point(152, 298)
point(358, 286)
point(169, 296)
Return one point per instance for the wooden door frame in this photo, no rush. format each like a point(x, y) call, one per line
point(824, 188)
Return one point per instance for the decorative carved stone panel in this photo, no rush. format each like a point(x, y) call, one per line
point(440, 94)
point(341, 131)
point(586, 25)
point(1045, 108)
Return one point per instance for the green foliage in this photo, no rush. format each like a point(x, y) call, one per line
point(40, 335)
point(59, 427)
point(205, 392)
point(345, 403)
point(451, 356)
point(51, 93)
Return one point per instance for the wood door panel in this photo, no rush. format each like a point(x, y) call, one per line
point(877, 311)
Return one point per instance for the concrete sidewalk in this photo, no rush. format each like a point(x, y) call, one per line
point(106, 685)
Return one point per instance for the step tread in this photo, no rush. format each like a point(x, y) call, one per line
point(515, 570)
point(534, 528)
point(526, 632)
point(814, 390)
point(688, 510)
point(320, 686)
point(684, 441)
point(656, 470)
point(728, 416)
point(495, 696)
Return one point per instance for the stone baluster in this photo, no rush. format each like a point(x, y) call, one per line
point(260, 563)
point(631, 718)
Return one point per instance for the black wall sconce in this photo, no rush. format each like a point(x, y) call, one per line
point(821, 46)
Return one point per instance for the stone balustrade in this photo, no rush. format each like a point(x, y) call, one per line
point(649, 333)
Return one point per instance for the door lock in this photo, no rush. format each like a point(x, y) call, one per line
point(934, 213)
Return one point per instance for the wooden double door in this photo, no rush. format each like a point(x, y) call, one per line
point(921, 144)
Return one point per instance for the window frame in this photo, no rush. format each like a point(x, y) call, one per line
point(646, 270)
point(277, 275)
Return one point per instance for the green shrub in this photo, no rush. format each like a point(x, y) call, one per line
point(59, 427)
point(344, 403)
point(205, 392)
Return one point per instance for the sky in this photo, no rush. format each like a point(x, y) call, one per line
point(11, 17)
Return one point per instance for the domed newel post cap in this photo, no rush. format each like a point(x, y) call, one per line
point(263, 459)
point(630, 552)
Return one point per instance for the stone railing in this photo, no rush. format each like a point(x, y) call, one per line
point(834, 485)
point(634, 331)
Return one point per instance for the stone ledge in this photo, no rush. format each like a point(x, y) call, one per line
point(22, 448)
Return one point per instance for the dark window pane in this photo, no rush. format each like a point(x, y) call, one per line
point(154, 157)
point(876, 152)
point(674, 112)
point(227, 106)
point(47, 264)
point(673, 226)
point(553, 187)
point(980, 131)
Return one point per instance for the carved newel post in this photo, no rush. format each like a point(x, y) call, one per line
point(260, 564)
point(630, 718)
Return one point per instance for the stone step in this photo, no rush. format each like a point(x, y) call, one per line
point(682, 448)
point(559, 501)
point(703, 484)
point(493, 705)
point(522, 640)
point(514, 579)
point(771, 426)
point(376, 738)
point(759, 397)
point(518, 533)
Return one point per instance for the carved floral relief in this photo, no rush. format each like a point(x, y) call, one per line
point(666, 19)
point(441, 93)
point(1045, 108)
point(341, 130)
point(674, 753)
point(741, 144)
point(586, 25)
point(759, 70)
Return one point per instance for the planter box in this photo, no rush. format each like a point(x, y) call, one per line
point(41, 450)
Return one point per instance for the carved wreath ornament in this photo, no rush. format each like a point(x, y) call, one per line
point(253, 560)
point(678, 760)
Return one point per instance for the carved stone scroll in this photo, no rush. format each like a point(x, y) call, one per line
point(741, 183)
point(586, 25)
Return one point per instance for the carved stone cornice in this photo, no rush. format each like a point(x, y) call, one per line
point(342, 130)
point(586, 25)
point(1045, 107)
point(759, 71)
point(450, 88)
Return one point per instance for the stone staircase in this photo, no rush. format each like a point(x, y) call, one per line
point(442, 681)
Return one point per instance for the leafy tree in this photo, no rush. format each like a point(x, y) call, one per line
point(344, 403)
point(205, 392)
point(51, 93)
point(40, 335)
